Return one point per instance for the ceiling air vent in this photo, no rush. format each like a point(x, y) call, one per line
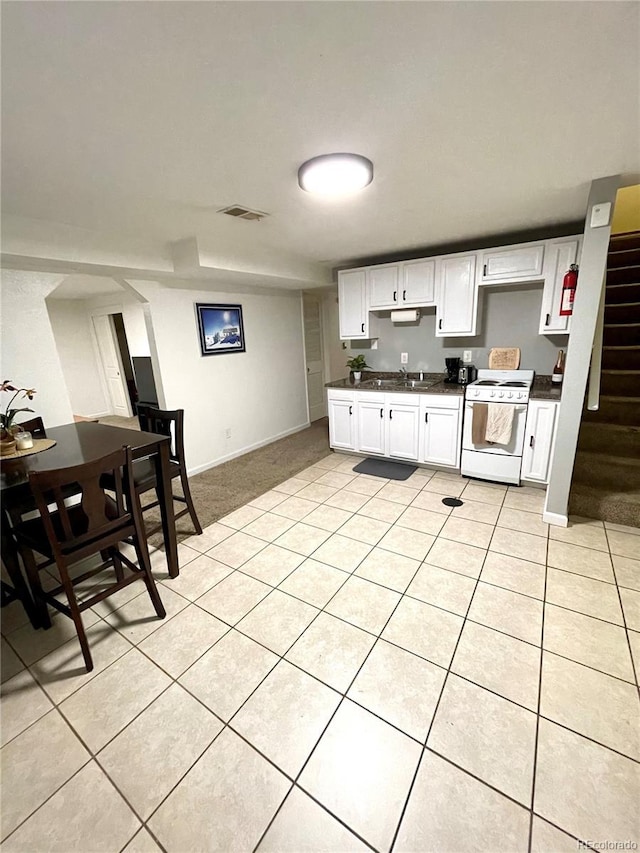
point(243, 212)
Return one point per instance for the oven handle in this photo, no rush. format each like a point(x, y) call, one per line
point(519, 407)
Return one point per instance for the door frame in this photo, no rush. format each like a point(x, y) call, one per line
point(100, 312)
point(320, 301)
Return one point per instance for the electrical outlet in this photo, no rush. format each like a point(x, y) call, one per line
point(227, 433)
point(404, 358)
point(467, 355)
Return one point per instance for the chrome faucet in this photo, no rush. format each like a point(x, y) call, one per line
point(403, 372)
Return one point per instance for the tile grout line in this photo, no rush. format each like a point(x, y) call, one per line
point(624, 619)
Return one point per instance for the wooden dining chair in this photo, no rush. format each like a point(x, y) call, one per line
point(67, 535)
point(35, 426)
point(171, 424)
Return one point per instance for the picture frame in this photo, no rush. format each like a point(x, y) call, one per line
point(220, 328)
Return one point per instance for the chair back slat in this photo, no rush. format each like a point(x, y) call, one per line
point(96, 515)
point(169, 422)
point(35, 426)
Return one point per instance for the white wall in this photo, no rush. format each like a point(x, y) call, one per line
point(72, 332)
point(29, 354)
point(259, 395)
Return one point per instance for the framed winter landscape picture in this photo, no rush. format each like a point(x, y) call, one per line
point(220, 328)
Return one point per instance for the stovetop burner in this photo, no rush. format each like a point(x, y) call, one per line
point(514, 384)
point(486, 382)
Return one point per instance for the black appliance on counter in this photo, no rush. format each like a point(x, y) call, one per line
point(453, 366)
point(467, 374)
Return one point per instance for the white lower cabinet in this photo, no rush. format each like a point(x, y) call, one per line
point(441, 419)
point(371, 423)
point(342, 420)
point(403, 427)
point(412, 427)
point(540, 430)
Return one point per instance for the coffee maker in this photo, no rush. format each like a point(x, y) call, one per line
point(453, 366)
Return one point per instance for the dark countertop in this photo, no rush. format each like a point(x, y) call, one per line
point(542, 388)
point(440, 387)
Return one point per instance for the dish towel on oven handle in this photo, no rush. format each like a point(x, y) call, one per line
point(479, 423)
point(499, 423)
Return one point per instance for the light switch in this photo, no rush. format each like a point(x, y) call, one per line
point(600, 214)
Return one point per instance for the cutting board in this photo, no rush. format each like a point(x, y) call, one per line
point(504, 358)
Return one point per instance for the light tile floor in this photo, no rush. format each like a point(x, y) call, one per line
point(346, 664)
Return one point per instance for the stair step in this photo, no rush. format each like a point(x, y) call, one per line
point(624, 258)
point(612, 439)
point(621, 335)
point(591, 501)
point(624, 275)
point(615, 410)
point(617, 294)
point(616, 383)
point(625, 313)
point(623, 242)
point(621, 358)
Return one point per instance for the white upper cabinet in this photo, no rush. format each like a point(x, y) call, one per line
point(457, 296)
point(384, 283)
point(512, 264)
point(418, 280)
point(560, 255)
point(410, 284)
point(353, 304)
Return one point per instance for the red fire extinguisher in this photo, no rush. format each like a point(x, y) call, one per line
point(569, 285)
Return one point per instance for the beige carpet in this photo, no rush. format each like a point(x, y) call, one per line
point(226, 487)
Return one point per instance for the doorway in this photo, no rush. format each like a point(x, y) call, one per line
point(116, 363)
point(312, 314)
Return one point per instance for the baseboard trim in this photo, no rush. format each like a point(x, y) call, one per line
point(200, 468)
point(555, 518)
point(96, 415)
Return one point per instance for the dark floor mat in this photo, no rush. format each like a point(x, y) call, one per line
point(384, 468)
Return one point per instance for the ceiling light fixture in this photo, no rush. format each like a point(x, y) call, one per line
point(335, 174)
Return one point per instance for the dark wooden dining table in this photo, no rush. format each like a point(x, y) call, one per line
point(85, 442)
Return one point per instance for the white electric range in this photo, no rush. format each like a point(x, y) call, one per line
point(498, 462)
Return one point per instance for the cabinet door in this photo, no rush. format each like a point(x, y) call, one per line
point(402, 431)
point(456, 313)
point(371, 427)
point(384, 286)
point(441, 437)
point(523, 262)
point(352, 304)
point(559, 258)
point(342, 428)
point(538, 442)
point(418, 283)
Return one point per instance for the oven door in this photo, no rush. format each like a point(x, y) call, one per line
point(514, 448)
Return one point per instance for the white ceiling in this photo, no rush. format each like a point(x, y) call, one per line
point(140, 120)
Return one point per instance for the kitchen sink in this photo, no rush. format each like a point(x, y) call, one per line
point(412, 384)
point(404, 384)
point(380, 383)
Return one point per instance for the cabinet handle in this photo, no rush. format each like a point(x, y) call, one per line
point(532, 441)
point(363, 328)
point(404, 295)
point(548, 320)
point(484, 270)
point(390, 414)
point(394, 295)
point(381, 413)
point(426, 417)
point(439, 324)
point(350, 410)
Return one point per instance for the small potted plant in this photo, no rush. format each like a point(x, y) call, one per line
point(356, 365)
point(7, 427)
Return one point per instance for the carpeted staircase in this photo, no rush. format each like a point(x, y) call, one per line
point(606, 477)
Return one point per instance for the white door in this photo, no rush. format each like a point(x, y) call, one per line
point(402, 431)
point(384, 287)
point(110, 357)
point(371, 426)
point(440, 443)
point(352, 304)
point(313, 355)
point(342, 424)
point(418, 283)
point(541, 419)
point(457, 297)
